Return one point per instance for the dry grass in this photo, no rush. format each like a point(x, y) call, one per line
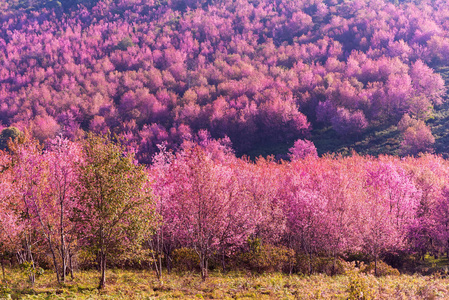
point(124, 284)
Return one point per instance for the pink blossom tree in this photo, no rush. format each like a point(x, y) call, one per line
point(302, 149)
point(30, 177)
point(207, 204)
point(62, 157)
point(10, 225)
point(391, 206)
point(416, 136)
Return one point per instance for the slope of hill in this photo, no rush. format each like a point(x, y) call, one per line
point(262, 73)
point(33, 5)
point(440, 122)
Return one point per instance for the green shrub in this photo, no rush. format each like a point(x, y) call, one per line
point(268, 258)
point(397, 259)
point(5, 291)
point(382, 269)
point(321, 264)
point(357, 257)
point(428, 292)
point(358, 287)
point(185, 259)
point(10, 133)
point(125, 43)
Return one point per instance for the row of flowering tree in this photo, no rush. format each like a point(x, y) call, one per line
point(69, 199)
point(331, 206)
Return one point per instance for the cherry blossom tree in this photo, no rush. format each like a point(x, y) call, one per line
point(30, 177)
point(62, 156)
point(205, 203)
point(10, 225)
point(391, 206)
point(302, 149)
point(416, 136)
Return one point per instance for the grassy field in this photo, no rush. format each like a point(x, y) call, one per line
point(124, 284)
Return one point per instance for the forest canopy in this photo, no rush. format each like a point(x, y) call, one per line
point(257, 72)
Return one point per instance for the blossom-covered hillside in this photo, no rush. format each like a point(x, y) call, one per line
point(259, 72)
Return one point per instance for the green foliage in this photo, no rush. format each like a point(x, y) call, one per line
point(28, 268)
point(116, 201)
point(376, 140)
point(9, 134)
point(5, 292)
point(268, 258)
point(320, 264)
point(125, 43)
point(116, 210)
point(358, 287)
point(254, 245)
point(185, 259)
point(382, 269)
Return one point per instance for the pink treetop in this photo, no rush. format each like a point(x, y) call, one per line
point(302, 149)
point(416, 136)
point(204, 202)
point(391, 206)
point(10, 224)
point(427, 83)
point(62, 157)
point(306, 213)
point(347, 123)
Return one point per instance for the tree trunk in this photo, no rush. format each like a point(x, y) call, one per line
point(160, 249)
point(4, 273)
point(55, 262)
point(204, 270)
point(223, 262)
point(157, 260)
point(50, 245)
point(167, 252)
point(102, 255)
point(103, 271)
point(310, 263)
point(63, 253)
point(203, 265)
point(160, 266)
point(29, 258)
point(334, 262)
point(71, 265)
point(156, 265)
point(375, 266)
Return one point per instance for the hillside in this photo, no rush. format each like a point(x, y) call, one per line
point(440, 122)
point(33, 5)
point(261, 73)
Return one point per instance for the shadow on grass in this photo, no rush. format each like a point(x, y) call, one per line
point(377, 140)
point(62, 290)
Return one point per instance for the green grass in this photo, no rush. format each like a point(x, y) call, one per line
point(440, 123)
point(383, 139)
point(124, 284)
point(266, 149)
